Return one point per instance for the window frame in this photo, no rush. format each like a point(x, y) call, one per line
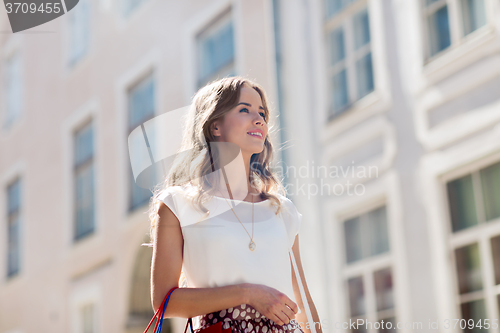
point(344, 18)
point(16, 170)
point(456, 28)
point(209, 29)
point(8, 120)
point(19, 214)
point(88, 111)
point(73, 59)
point(140, 80)
point(481, 234)
point(366, 268)
point(79, 297)
point(191, 29)
point(152, 61)
point(77, 237)
point(126, 13)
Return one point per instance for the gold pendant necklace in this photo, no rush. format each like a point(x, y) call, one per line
point(252, 244)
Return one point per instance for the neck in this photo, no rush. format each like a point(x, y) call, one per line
point(233, 182)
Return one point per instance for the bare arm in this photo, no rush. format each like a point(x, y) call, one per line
point(302, 317)
point(166, 270)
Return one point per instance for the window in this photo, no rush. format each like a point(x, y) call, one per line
point(13, 89)
point(215, 50)
point(475, 198)
point(366, 237)
point(13, 226)
point(139, 296)
point(87, 313)
point(84, 182)
point(129, 6)
point(364, 70)
point(84, 306)
point(474, 204)
point(333, 7)
point(438, 27)
point(350, 58)
point(473, 15)
point(470, 281)
point(79, 31)
point(439, 13)
point(141, 108)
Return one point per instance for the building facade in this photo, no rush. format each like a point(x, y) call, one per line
point(390, 111)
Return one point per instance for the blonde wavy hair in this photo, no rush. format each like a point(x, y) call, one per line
point(196, 162)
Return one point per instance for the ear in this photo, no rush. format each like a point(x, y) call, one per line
point(215, 128)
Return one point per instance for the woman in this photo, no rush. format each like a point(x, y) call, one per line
point(222, 218)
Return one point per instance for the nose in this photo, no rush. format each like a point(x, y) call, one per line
point(258, 120)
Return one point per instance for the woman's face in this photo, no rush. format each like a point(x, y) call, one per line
point(247, 117)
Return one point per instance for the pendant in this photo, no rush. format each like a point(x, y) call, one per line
point(252, 246)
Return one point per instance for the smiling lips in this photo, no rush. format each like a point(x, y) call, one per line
point(256, 134)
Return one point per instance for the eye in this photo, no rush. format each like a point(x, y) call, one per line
point(261, 113)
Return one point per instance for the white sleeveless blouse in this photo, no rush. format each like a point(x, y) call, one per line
point(216, 246)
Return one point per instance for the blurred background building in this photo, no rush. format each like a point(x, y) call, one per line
point(390, 107)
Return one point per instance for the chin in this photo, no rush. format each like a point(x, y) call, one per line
point(255, 151)
point(259, 151)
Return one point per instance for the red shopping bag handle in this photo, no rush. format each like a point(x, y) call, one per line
point(160, 309)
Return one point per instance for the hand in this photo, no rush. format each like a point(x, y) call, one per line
point(272, 303)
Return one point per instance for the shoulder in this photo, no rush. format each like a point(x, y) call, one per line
point(173, 191)
point(287, 206)
point(289, 209)
point(175, 198)
point(168, 192)
point(291, 217)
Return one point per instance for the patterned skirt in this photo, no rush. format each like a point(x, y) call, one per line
point(246, 319)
